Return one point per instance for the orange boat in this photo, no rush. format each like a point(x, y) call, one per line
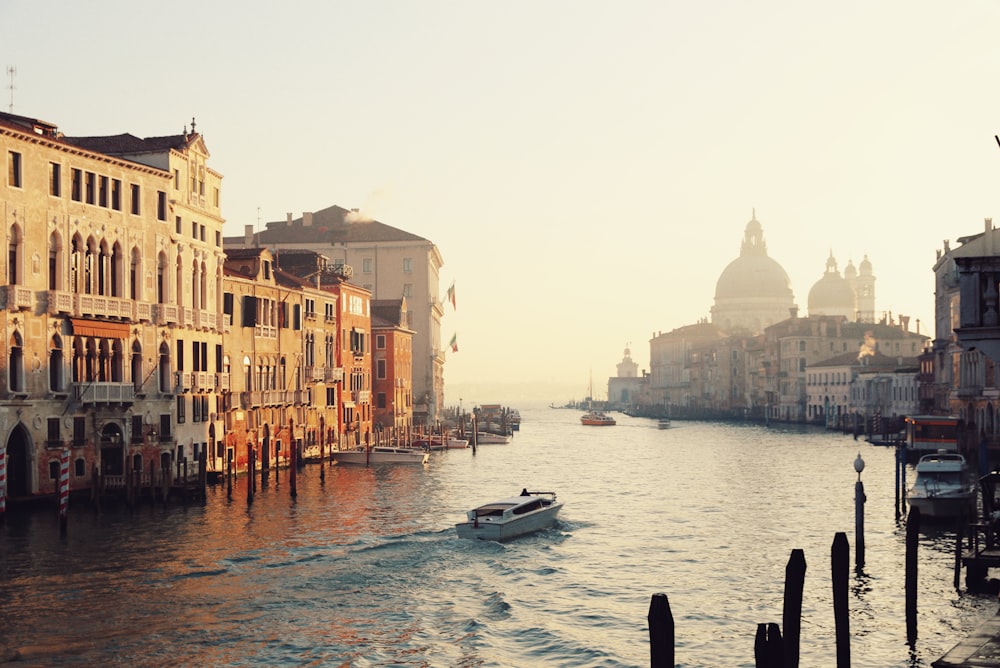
point(597, 419)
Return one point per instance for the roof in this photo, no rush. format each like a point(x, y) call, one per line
point(126, 144)
point(333, 225)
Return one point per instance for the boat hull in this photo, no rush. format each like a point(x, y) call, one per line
point(380, 456)
point(488, 529)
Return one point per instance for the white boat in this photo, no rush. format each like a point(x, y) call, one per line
point(512, 517)
point(944, 486)
point(597, 419)
point(437, 443)
point(380, 455)
point(486, 438)
point(664, 423)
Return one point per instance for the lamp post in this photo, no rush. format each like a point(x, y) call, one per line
point(859, 514)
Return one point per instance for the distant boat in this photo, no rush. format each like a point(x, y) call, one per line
point(597, 419)
point(488, 438)
point(664, 423)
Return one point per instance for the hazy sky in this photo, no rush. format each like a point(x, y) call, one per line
point(586, 168)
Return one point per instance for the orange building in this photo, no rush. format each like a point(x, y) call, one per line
point(392, 359)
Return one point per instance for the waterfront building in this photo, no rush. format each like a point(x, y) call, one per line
point(966, 346)
point(389, 263)
point(392, 357)
point(112, 264)
point(862, 390)
point(623, 389)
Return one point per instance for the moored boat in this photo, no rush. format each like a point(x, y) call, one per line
point(597, 419)
point(944, 487)
point(380, 455)
point(664, 423)
point(488, 438)
point(511, 517)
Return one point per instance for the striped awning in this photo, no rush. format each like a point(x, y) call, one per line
point(100, 328)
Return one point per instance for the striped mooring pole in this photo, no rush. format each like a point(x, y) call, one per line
point(63, 490)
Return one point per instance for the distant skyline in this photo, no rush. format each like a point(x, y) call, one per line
point(585, 169)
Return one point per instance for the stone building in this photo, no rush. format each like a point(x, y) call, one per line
point(387, 262)
point(112, 265)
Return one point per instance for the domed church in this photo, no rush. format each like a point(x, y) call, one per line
point(851, 295)
point(753, 291)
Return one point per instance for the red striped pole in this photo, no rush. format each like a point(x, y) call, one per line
point(3, 483)
point(63, 490)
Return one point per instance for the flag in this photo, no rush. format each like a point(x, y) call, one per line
point(451, 295)
point(454, 343)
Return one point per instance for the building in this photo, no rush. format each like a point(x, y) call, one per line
point(753, 291)
point(387, 262)
point(623, 389)
point(392, 356)
point(113, 263)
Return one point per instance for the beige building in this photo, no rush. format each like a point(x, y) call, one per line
point(388, 262)
point(112, 263)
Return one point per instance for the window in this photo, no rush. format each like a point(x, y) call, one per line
point(408, 290)
point(134, 198)
point(194, 230)
point(181, 403)
point(380, 369)
point(90, 187)
point(102, 191)
point(14, 169)
point(79, 431)
point(380, 342)
point(177, 179)
point(161, 205)
point(407, 265)
point(55, 179)
point(116, 194)
point(76, 186)
point(53, 437)
point(366, 265)
point(177, 225)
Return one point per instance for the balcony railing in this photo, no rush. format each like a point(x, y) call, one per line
point(142, 311)
point(222, 382)
point(333, 374)
point(60, 302)
point(167, 314)
point(104, 393)
point(19, 298)
point(314, 373)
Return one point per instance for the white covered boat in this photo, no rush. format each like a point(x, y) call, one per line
point(944, 486)
point(380, 455)
point(511, 517)
point(488, 438)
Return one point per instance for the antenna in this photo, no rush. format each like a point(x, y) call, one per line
point(11, 71)
point(258, 223)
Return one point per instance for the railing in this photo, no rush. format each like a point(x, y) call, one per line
point(265, 332)
point(227, 322)
point(222, 382)
point(60, 302)
point(19, 297)
point(94, 393)
point(314, 373)
point(142, 311)
point(183, 381)
point(166, 314)
point(333, 374)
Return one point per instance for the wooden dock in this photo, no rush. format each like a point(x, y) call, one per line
point(980, 650)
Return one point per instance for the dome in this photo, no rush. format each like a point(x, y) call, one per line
point(866, 266)
point(832, 294)
point(753, 292)
point(753, 274)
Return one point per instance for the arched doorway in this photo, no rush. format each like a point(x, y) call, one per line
point(112, 450)
point(19, 460)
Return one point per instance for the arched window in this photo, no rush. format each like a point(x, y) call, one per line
point(161, 279)
point(203, 286)
point(15, 364)
point(57, 377)
point(196, 294)
point(103, 269)
point(79, 360)
point(137, 376)
point(90, 260)
point(117, 287)
point(135, 275)
point(15, 256)
point(180, 281)
point(56, 278)
point(164, 368)
point(117, 362)
point(76, 264)
point(247, 373)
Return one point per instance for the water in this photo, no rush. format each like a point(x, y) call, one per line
point(366, 570)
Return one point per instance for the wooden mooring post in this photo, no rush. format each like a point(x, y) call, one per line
point(791, 616)
point(912, 536)
point(839, 571)
point(661, 632)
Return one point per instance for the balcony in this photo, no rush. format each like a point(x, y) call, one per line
point(182, 382)
point(167, 314)
point(333, 374)
point(105, 307)
point(19, 298)
point(142, 311)
point(265, 332)
point(60, 302)
point(227, 322)
point(314, 374)
point(104, 393)
point(222, 382)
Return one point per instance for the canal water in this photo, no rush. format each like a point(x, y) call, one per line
point(365, 569)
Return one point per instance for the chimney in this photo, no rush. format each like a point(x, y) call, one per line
point(904, 322)
point(307, 219)
point(793, 311)
point(988, 236)
point(288, 218)
point(248, 236)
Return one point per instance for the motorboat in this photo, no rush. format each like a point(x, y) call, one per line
point(489, 438)
point(597, 419)
point(944, 486)
point(664, 423)
point(380, 454)
point(511, 517)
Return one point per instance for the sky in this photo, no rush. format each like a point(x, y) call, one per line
point(586, 168)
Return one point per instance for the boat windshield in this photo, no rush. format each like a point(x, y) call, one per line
point(941, 478)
